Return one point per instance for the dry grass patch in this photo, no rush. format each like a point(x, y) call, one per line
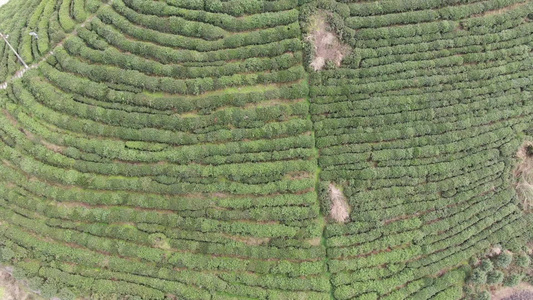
point(11, 289)
point(496, 250)
point(340, 209)
point(524, 175)
point(522, 291)
point(53, 147)
point(326, 44)
point(315, 241)
point(251, 241)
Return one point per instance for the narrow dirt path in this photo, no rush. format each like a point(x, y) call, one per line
point(74, 32)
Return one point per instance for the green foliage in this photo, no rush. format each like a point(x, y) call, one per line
point(6, 254)
point(503, 260)
point(478, 277)
point(522, 260)
point(486, 265)
point(512, 280)
point(179, 149)
point(66, 294)
point(64, 16)
point(484, 295)
point(494, 277)
point(49, 289)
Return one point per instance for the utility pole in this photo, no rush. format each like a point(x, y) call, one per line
point(12, 49)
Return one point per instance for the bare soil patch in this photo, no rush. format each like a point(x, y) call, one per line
point(11, 289)
point(522, 291)
point(496, 250)
point(315, 241)
point(11, 119)
point(340, 209)
point(326, 44)
point(250, 240)
point(523, 174)
point(53, 147)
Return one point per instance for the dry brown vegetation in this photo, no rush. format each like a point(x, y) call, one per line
point(520, 292)
point(326, 45)
point(252, 241)
point(340, 210)
point(524, 175)
point(11, 289)
point(496, 250)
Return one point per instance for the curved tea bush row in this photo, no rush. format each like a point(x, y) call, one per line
point(419, 126)
point(181, 148)
point(50, 19)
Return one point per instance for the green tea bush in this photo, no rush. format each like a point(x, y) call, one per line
point(512, 280)
point(494, 277)
point(522, 260)
point(486, 265)
point(484, 295)
point(503, 260)
point(183, 149)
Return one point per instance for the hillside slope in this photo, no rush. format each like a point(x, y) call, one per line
point(421, 127)
point(186, 149)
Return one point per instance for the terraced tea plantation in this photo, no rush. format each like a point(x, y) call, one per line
point(263, 149)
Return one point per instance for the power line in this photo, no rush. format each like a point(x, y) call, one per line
point(13, 49)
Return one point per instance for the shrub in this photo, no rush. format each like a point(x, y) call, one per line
point(6, 254)
point(64, 17)
point(485, 295)
point(522, 260)
point(66, 294)
point(486, 265)
point(513, 280)
point(49, 289)
point(494, 277)
point(35, 283)
point(503, 260)
point(478, 277)
point(473, 261)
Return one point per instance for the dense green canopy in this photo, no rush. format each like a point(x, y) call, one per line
point(186, 149)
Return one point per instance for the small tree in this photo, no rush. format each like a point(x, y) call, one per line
point(66, 294)
point(485, 295)
point(49, 289)
point(469, 291)
point(473, 261)
point(478, 276)
point(522, 260)
point(494, 277)
point(513, 280)
point(486, 265)
point(504, 260)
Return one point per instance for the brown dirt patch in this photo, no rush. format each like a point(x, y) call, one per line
point(257, 241)
point(250, 240)
point(11, 289)
point(522, 291)
point(496, 250)
point(11, 119)
point(298, 175)
point(53, 147)
point(30, 135)
point(524, 175)
point(326, 44)
point(315, 241)
point(340, 210)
